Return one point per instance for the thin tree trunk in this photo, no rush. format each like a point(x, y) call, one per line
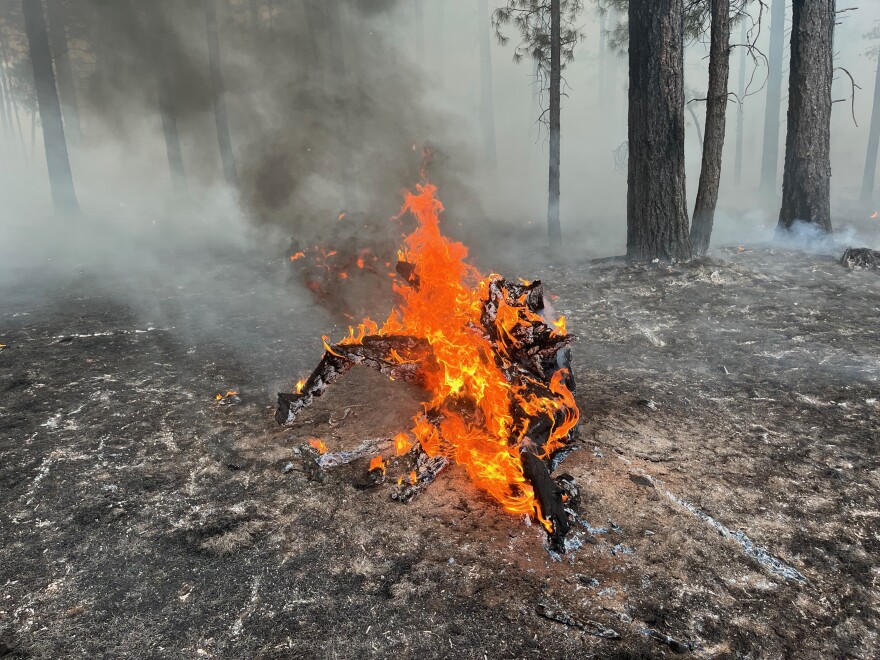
point(867, 196)
point(33, 135)
point(64, 70)
point(697, 126)
point(554, 229)
point(487, 96)
point(255, 15)
point(770, 152)
point(156, 44)
point(5, 114)
point(657, 220)
point(57, 158)
point(13, 104)
point(806, 182)
point(603, 56)
point(220, 115)
point(740, 109)
point(716, 121)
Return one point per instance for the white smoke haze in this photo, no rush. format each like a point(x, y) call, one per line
point(284, 100)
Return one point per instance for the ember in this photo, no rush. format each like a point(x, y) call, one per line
point(497, 370)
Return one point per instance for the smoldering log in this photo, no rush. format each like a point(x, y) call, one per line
point(529, 354)
point(373, 351)
point(861, 258)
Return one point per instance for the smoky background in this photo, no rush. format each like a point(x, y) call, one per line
point(329, 114)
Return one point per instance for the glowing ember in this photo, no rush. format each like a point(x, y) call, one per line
point(298, 255)
point(377, 463)
point(318, 445)
point(874, 215)
point(220, 397)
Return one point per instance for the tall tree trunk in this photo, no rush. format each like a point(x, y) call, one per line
point(770, 152)
point(806, 182)
point(716, 121)
point(553, 227)
point(740, 110)
point(656, 211)
point(63, 69)
point(487, 96)
point(220, 115)
point(603, 56)
point(867, 196)
point(57, 158)
point(5, 112)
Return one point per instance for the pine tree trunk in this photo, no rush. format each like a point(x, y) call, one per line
point(716, 121)
point(740, 111)
point(63, 69)
point(603, 57)
point(57, 158)
point(806, 182)
point(5, 114)
point(487, 101)
point(657, 220)
point(867, 196)
point(770, 152)
point(155, 45)
point(553, 227)
point(220, 115)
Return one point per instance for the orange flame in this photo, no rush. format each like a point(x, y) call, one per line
point(377, 463)
point(402, 444)
point(445, 308)
point(318, 445)
point(299, 385)
point(298, 255)
point(874, 215)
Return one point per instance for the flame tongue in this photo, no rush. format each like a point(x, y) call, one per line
point(484, 405)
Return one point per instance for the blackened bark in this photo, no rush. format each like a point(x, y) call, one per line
point(221, 117)
point(770, 152)
point(806, 183)
point(63, 69)
point(57, 158)
point(553, 227)
point(716, 121)
point(487, 100)
point(738, 162)
point(657, 221)
point(867, 196)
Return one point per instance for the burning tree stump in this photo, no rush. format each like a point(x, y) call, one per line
point(498, 367)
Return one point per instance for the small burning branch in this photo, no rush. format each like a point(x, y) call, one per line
point(496, 365)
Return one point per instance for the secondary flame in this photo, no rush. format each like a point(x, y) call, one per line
point(299, 385)
point(402, 444)
point(377, 463)
point(318, 445)
point(874, 215)
point(471, 422)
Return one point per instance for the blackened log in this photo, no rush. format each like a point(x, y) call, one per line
point(427, 469)
point(861, 258)
point(373, 351)
point(549, 498)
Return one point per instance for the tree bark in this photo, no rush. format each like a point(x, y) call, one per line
point(806, 182)
point(553, 227)
point(657, 220)
point(158, 36)
point(487, 100)
point(867, 196)
point(57, 157)
point(221, 117)
point(770, 152)
point(716, 121)
point(63, 69)
point(740, 111)
point(603, 56)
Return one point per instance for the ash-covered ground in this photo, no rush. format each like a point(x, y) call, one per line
point(142, 519)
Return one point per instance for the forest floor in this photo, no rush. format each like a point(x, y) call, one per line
point(142, 519)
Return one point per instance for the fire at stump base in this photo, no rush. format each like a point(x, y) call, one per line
point(535, 360)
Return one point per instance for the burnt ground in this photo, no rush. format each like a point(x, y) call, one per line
point(142, 519)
